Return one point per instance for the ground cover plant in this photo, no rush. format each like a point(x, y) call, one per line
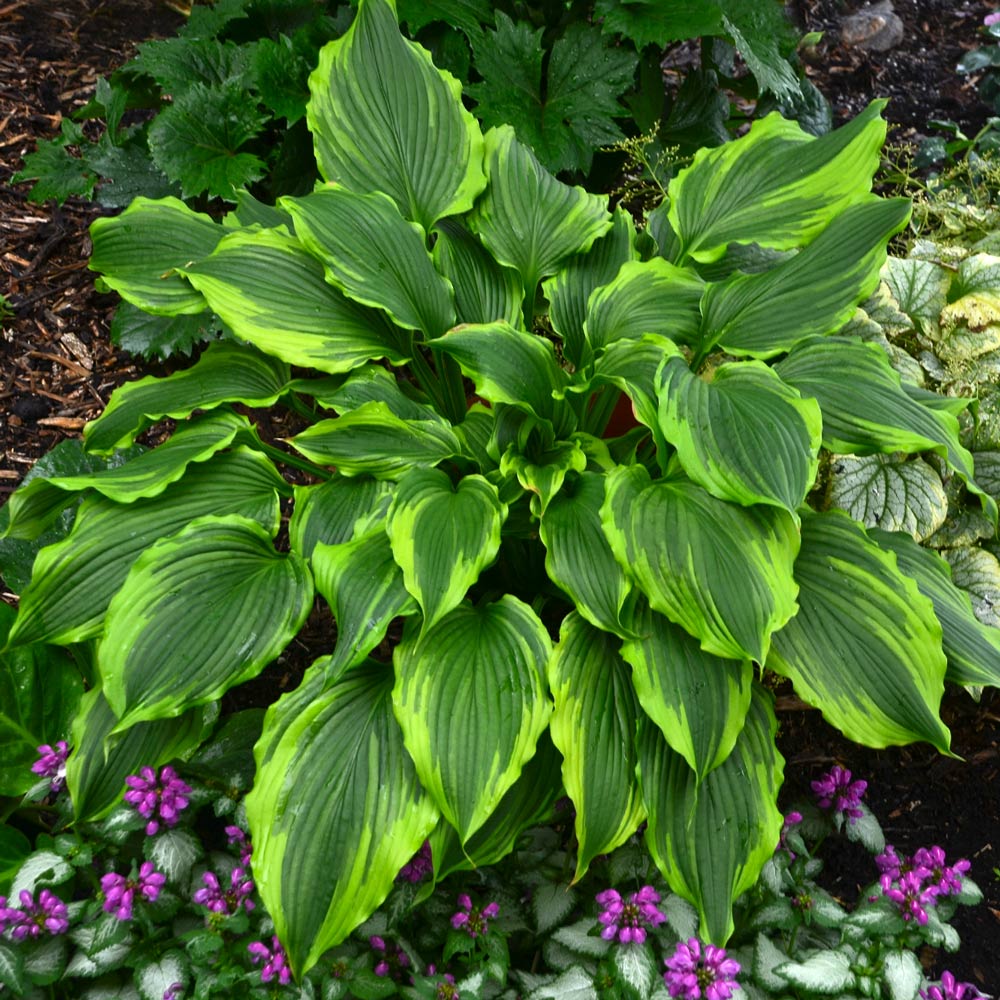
point(669, 559)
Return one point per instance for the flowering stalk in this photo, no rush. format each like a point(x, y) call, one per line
point(120, 892)
point(694, 971)
point(157, 798)
point(627, 919)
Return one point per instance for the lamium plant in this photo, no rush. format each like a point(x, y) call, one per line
point(528, 598)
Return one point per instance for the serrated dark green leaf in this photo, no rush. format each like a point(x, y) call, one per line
point(56, 172)
point(150, 336)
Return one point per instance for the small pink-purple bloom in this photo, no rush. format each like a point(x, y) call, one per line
point(157, 798)
point(31, 918)
point(471, 919)
point(238, 838)
point(120, 892)
point(391, 960)
point(51, 764)
point(836, 790)
point(992, 19)
point(695, 971)
point(945, 879)
point(274, 959)
point(950, 989)
point(419, 866)
point(911, 897)
point(627, 919)
point(227, 901)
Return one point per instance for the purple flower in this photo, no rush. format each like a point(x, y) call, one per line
point(227, 901)
point(419, 866)
point(51, 763)
point(120, 892)
point(31, 918)
point(949, 989)
point(694, 972)
point(791, 820)
point(157, 798)
point(391, 960)
point(473, 920)
point(911, 897)
point(626, 919)
point(274, 958)
point(992, 19)
point(946, 880)
point(238, 837)
point(173, 991)
point(835, 789)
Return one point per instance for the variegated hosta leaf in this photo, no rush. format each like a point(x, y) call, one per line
point(646, 296)
point(813, 293)
point(372, 254)
point(272, 293)
point(711, 839)
point(74, 580)
point(485, 291)
point(336, 809)
point(486, 667)
point(146, 475)
point(138, 252)
point(775, 186)
point(526, 218)
point(593, 725)
point(745, 435)
point(225, 373)
point(699, 701)
point(543, 473)
point(373, 440)
point(889, 493)
point(361, 582)
point(920, 288)
point(721, 572)
point(373, 384)
point(97, 767)
point(443, 536)
point(865, 647)
point(527, 803)
point(578, 557)
point(336, 511)
point(510, 366)
point(568, 291)
point(384, 118)
point(198, 613)
point(865, 409)
point(977, 571)
point(972, 648)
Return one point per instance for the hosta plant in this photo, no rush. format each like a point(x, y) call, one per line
point(521, 586)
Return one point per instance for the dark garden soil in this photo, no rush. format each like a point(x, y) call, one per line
point(58, 368)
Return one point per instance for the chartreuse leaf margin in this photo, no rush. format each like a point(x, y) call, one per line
point(558, 481)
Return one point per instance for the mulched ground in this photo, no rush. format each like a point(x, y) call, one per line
point(58, 367)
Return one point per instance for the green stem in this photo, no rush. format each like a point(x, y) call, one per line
point(429, 382)
point(303, 464)
point(295, 403)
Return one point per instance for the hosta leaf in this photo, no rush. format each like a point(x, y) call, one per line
point(199, 138)
point(972, 647)
point(527, 803)
point(865, 648)
point(485, 665)
point(373, 440)
point(146, 475)
point(776, 186)
point(368, 384)
point(543, 473)
point(977, 571)
point(565, 113)
point(815, 292)
point(721, 572)
point(526, 218)
point(698, 700)
point(710, 839)
point(743, 436)
point(865, 409)
point(224, 373)
point(199, 612)
point(75, 580)
point(39, 691)
point(485, 291)
point(885, 492)
point(383, 118)
point(361, 582)
point(271, 292)
point(336, 807)
point(920, 288)
point(138, 252)
point(593, 725)
point(333, 512)
point(97, 767)
point(568, 291)
point(510, 366)
point(649, 296)
point(578, 557)
point(443, 536)
point(372, 254)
